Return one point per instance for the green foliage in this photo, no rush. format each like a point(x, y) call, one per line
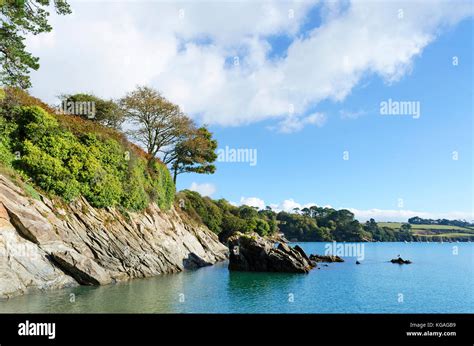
point(262, 227)
point(166, 132)
point(105, 112)
point(309, 224)
point(223, 218)
point(134, 195)
point(202, 209)
point(322, 224)
point(30, 190)
point(160, 187)
point(6, 130)
point(195, 153)
point(11, 97)
point(101, 169)
point(232, 224)
point(383, 233)
point(21, 17)
point(300, 227)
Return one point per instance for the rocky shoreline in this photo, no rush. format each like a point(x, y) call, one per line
point(253, 253)
point(46, 244)
point(250, 252)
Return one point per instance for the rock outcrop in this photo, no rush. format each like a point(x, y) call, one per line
point(328, 258)
point(46, 244)
point(250, 252)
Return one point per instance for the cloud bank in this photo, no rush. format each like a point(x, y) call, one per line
point(220, 62)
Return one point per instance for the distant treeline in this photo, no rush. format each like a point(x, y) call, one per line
point(308, 224)
point(419, 221)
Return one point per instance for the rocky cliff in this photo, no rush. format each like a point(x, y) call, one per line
point(46, 244)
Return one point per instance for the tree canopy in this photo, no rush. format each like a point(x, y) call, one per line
point(19, 18)
point(106, 112)
point(166, 132)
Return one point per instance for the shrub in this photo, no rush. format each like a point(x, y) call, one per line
point(134, 196)
point(107, 172)
point(12, 97)
point(6, 129)
point(160, 185)
point(107, 112)
point(225, 219)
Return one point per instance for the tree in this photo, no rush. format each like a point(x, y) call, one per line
point(18, 18)
point(194, 153)
point(105, 112)
point(160, 124)
point(406, 227)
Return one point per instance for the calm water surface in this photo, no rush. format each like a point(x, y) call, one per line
point(438, 281)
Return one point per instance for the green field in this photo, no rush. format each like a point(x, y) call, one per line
point(436, 231)
point(397, 225)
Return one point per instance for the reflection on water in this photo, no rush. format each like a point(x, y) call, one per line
point(437, 281)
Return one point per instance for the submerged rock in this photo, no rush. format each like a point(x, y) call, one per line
point(250, 252)
point(400, 260)
point(328, 258)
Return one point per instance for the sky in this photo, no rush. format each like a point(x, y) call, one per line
point(363, 105)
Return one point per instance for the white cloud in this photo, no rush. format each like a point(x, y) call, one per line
point(203, 189)
point(110, 47)
point(252, 202)
point(288, 205)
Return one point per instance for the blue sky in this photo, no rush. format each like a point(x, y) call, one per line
point(389, 157)
point(310, 78)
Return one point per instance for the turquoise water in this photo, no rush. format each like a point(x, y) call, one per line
point(438, 281)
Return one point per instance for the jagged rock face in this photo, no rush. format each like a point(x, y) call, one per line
point(48, 245)
point(254, 253)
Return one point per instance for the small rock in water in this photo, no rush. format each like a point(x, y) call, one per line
point(400, 260)
point(357, 262)
point(328, 258)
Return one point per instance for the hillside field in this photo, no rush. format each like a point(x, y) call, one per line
point(435, 232)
